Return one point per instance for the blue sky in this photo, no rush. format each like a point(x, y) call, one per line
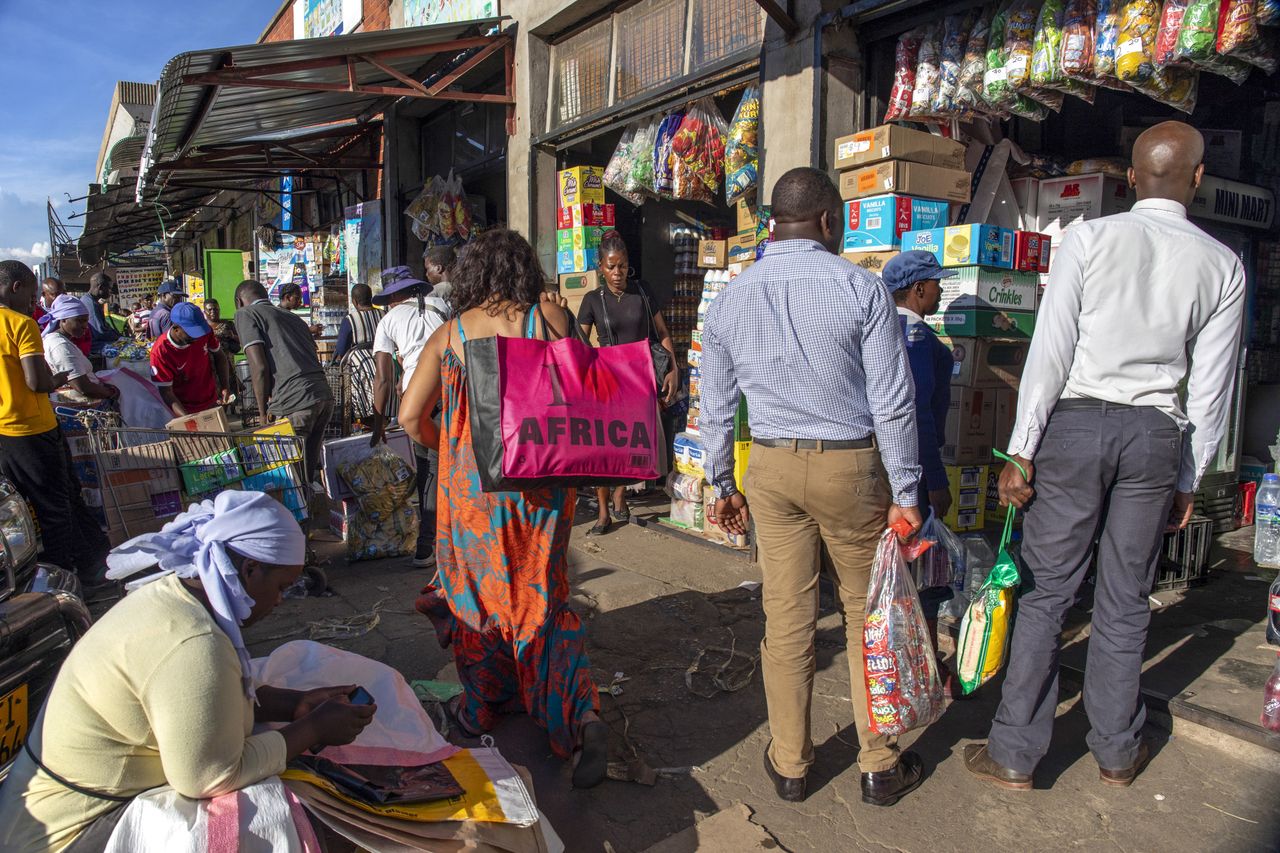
point(59, 66)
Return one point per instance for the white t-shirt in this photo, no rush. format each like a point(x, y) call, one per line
point(403, 332)
point(61, 353)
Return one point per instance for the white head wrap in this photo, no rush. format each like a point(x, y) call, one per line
point(195, 545)
point(64, 307)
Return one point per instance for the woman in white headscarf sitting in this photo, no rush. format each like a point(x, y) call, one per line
point(67, 320)
point(158, 692)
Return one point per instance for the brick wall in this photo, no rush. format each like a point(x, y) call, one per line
point(377, 15)
point(282, 29)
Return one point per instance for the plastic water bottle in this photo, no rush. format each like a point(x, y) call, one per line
point(1266, 525)
point(1273, 612)
point(1271, 701)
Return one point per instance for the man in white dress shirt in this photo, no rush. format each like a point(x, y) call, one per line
point(1132, 300)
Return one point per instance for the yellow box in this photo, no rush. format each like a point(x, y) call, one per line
point(741, 453)
point(580, 185)
point(270, 452)
point(968, 497)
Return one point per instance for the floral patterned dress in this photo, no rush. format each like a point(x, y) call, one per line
point(502, 599)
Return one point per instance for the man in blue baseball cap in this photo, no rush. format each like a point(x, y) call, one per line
point(169, 295)
point(914, 281)
point(183, 361)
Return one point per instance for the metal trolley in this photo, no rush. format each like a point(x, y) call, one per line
point(148, 476)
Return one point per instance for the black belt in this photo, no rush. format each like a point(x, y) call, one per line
point(1088, 404)
point(816, 444)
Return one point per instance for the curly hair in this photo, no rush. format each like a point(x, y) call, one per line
point(498, 266)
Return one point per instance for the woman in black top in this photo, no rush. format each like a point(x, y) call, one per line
point(622, 313)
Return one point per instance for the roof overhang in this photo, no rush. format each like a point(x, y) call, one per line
point(243, 109)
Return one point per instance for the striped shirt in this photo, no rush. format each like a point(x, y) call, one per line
point(815, 345)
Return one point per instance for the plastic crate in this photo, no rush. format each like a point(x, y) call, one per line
point(1184, 559)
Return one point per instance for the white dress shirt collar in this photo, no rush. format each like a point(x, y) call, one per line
point(1164, 205)
point(912, 317)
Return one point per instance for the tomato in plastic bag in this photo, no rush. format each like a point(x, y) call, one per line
point(903, 689)
point(905, 57)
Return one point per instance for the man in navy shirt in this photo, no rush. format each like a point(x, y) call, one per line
point(913, 279)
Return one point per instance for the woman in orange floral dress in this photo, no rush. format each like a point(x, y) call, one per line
point(502, 600)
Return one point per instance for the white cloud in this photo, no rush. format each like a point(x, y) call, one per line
point(37, 254)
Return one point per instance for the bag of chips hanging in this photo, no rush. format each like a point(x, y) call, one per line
point(1046, 60)
point(1106, 32)
point(1136, 44)
point(928, 74)
point(618, 171)
point(1241, 38)
point(903, 690)
point(969, 91)
point(700, 142)
point(1175, 86)
point(1198, 36)
point(742, 152)
point(996, 90)
point(1019, 42)
point(1167, 36)
point(686, 185)
point(640, 177)
point(663, 156)
point(905, 57)
point(955, 38)
point(984, 631)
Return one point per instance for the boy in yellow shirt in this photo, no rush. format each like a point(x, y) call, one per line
point(33, 454)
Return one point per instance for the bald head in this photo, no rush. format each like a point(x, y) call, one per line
point(1167, 162)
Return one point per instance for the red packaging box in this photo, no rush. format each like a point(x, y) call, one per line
point(585, 216)
point(1031, 251)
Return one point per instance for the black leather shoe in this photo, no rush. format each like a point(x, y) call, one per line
point(982, 765)
point(791, 790)
point(888, 786)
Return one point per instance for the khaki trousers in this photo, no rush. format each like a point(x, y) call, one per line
point(801, 500)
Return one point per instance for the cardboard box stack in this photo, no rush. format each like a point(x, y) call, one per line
point(581, 218)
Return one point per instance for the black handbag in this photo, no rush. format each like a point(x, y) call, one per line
point(661, 358)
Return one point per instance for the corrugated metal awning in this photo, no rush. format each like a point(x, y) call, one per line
point(212, 102)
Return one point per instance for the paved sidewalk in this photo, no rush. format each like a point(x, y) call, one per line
point(653, 603)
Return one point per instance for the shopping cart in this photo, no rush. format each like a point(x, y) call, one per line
point(148, 476)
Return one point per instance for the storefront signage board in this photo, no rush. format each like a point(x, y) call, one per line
point(1221, 200)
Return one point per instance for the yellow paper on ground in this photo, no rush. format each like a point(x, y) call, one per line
point(479, 802)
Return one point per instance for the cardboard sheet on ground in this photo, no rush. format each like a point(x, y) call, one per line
point(727, 831)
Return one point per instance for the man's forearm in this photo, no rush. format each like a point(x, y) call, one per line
point(261, 391)
point(171, 400)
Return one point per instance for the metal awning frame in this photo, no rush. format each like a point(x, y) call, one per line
point(275, 156)
point(780, 14)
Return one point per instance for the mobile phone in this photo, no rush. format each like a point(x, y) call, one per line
point(360, 696)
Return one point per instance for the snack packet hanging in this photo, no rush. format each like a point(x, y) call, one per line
point(955, 39)
point(1079, 19)
point(984, 630)
point(969, 91)
point(996, 89)
point(686, 185)
point(905, 57)
point(928, 74)
point(1175, 86)
point(640, 177)
point(741, 152)
point(1167, 36)
point(1106, 32)
point(1136, 46)
point(1019, 42)
point(1198, 35)
point(700, 142)
point(663, 157)
point(618, 171)
point(903, 689)
point(1046, 59)
point(1241, 38)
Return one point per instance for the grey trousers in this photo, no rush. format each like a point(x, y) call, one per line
point(1106, 474)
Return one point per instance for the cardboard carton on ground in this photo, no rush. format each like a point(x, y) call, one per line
point(1063, 201)
point(580, 185)
point(585, 216)
point(970, 426)
point(877, 223)
point(897, 176)
point(983, 287)
point(983, 323)
point(964, 245)
point(982, 363)
point(871, 261)
point(893, 142)
point(713, 254)
point(968, 487)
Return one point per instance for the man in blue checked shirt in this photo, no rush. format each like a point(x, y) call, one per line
point(814, 343)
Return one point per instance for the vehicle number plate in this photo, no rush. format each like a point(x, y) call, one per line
point(13, 723)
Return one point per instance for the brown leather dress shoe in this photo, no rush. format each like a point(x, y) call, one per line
point(888, 786)
point(982, 765)
point(789, 789)
point(1124, 778)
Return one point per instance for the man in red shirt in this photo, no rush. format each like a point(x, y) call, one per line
point(183, 360)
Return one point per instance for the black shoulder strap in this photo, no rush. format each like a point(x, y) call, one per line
point(604, 312)
point(648, 310)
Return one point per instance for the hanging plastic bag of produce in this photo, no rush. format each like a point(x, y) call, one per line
point(905, 57)
point(955, 38)
point(928, 73)
point(663, 157)
point(1136, 46)
point(969, 91)
point(903, 690)
point(617, 173)
point(700, 142)
point(640, 178)
point(1019, 42)
point(1046, 60)
point(742, 151)
point(984, 631)
point(1106, 32)
point(996, 90)
point(1240, 37)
